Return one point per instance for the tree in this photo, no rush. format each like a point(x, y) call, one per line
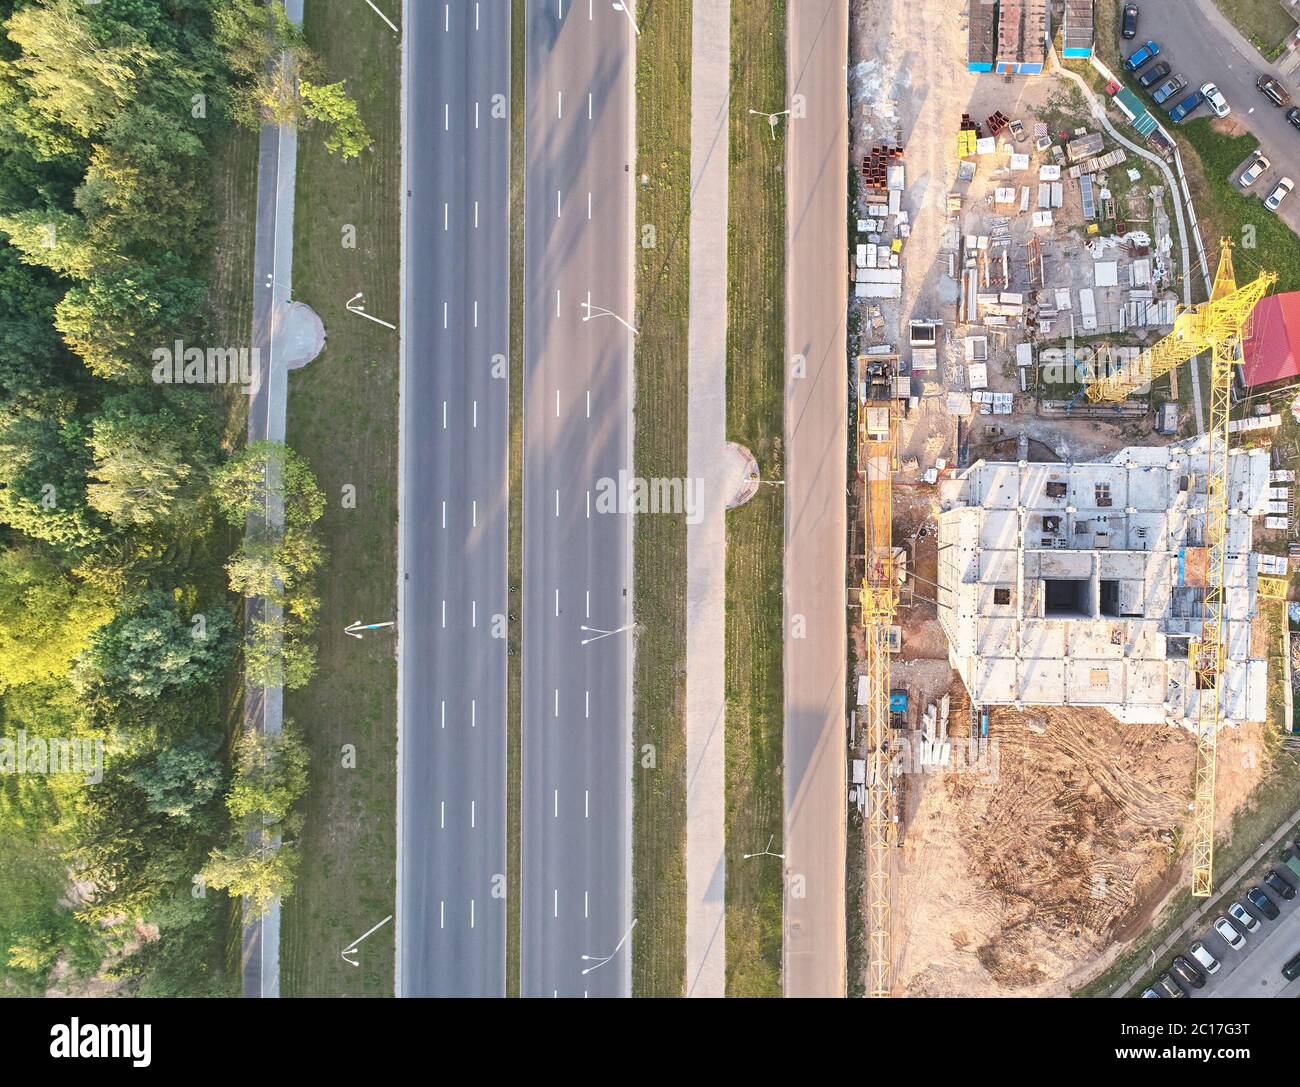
point(266, 564)
point(148, 465)
point(178, 781)
point(46, 618)
point(258, 874)
point(43, 465)
point(278, 654)
point(242, 485)
point(73, 80)
point(152, 648)
point(270, 777)
point(53, 239)
point(330, 103)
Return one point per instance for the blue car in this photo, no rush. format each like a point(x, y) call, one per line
point(1186, 106)
point(1143, 56)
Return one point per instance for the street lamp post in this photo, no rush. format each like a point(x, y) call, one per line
point(598, 960)
point(599, 311)
point(599, 633)
point(767, 852)
point(356, 304)
point(386, 19)
point(625, 7)
point(771, 118)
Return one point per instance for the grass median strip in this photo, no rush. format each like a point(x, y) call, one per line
point(663, 96)
point(343, 417)
point(755, 531)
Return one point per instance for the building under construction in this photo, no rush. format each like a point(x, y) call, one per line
point(1085, 584)
point(1008, 36)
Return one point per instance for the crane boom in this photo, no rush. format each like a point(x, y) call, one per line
point(1217, 326)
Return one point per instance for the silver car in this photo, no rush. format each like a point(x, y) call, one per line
point(1245, 920)
point(1231, 936)
point(1274, 199)
point(1251, 173)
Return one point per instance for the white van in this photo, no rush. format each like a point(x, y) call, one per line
point(1202, 956)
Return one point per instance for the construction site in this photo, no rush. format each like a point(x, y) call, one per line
point(1073, 534)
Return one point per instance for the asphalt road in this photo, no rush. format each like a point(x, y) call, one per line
point(455, 414)
point(815, 526)
point(1201, 53)
point(580, 65)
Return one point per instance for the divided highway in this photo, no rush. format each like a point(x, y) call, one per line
point(577, 396)
point(451, 920)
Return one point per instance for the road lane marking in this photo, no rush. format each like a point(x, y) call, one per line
point(557, 203)
point(556, 912)
point(559, 104)
point(473, 713)
point(446, 20)
point(473, 815)
point(446, 117)
point(588, 403)
point(586, 905)
point(446, 215)
point(589, 505)
point(557, 803)
point(588, 205)
point(557, 301)
point(444, 615)
point(588, 105)
point(444, 415)
point(444, 713)
point(476, 206)
point(586, 803)
point(588, 603)
point(589, 3)
point(442, 914)
point(475, 14)
point(474, 512)
point(476, 313)
point(473, 613)
point(557, 701)
point(557, 403)
point(587, 705)
point(444, 513)
point(442, 815)
point(557, 502)
point(471, 913)
point(557, 603)
point(444, 315)
point(476, 115)
point(476, 415)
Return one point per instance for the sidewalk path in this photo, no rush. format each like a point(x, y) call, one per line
point(708, 459)
point(282, 332)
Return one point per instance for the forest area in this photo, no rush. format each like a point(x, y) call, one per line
point(125, 500)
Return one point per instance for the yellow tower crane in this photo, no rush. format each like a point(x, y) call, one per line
point(1217, 326)
point(877, 431)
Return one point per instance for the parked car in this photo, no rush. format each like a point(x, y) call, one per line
point(1273, 202)
point(1231, 936)
point(1291, 969)
point(1150, 992)
point(1293, 115)
point(1271, 89)
point(1292, 861)
point(1188, 974)
point(1129, 23)
point(1275, 881)
point(1169, 987)
point(1186, 106)
point(1168, 89)
point(1251, 173)
point(1262, 902)
point(1243, 918)
point(1202, 955)
point(1154, 74)
point(1217, 102)
point(1143, 55)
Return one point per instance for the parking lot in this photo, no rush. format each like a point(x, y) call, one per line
point(1196, 46)
point(1256, 969)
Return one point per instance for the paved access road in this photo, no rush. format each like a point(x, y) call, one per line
point(455, 408)
point(1204, 48)
point(816, 433)
point(576, 705)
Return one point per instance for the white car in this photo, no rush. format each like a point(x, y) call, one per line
point(1244, 920)
point(1231, 936)
point(1251, 173)
point(1217, 102)
point(1274, 199)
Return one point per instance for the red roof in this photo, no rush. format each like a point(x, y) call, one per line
point(1272, 348)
